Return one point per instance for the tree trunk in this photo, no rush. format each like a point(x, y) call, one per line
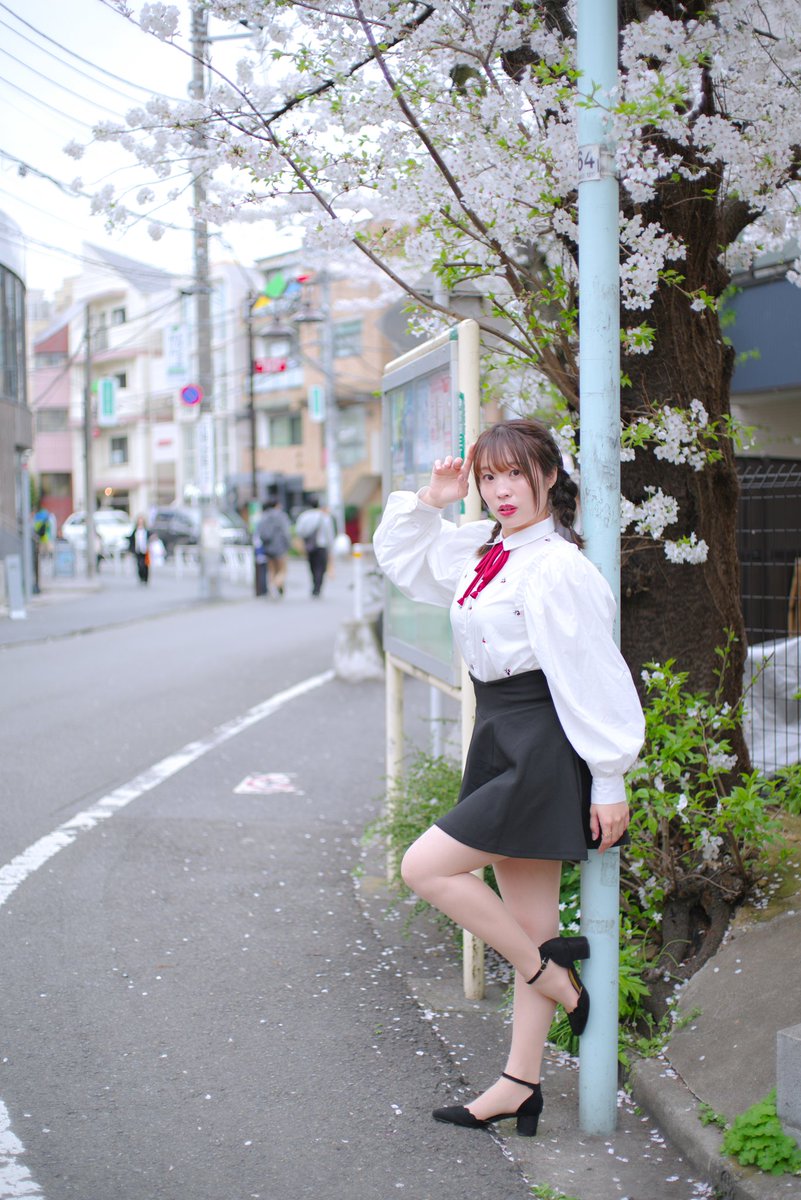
point(683, 611)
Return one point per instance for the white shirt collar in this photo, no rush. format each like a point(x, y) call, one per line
point(530, 534)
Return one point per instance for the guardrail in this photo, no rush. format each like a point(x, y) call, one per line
point(236, 563)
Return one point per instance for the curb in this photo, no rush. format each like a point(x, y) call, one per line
point(658, 1089)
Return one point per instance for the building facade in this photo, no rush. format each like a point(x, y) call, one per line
point(16, 429)
point(49, 385)
point(317, 342)
point(128, 332)
point(119, 389)
point(765, 329)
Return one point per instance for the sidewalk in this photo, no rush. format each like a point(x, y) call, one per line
point(74, 605)
point(725, 1058)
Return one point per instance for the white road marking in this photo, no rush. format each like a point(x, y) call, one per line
point(15, 1180)
point(267, 785)
point(36, 855)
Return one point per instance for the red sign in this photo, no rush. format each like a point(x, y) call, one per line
point(269, 366)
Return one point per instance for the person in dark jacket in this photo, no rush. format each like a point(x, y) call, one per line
point(275, 534)
point(315, 527)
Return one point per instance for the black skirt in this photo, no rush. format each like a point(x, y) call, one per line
point(525, 791)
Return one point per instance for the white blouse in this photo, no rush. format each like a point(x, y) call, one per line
point(548, 608)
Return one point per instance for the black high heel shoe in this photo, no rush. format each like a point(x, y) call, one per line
point(564, 952)
point(528, 1114)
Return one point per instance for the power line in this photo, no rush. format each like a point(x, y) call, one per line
point(24, 241)
point(45, 122)
point(87, 62)
point(25, 168)
point(61, 86)
point(44, 104)
point(68, 190)
point(92, 78)
point(46, 212)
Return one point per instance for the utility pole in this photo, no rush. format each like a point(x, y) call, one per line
point(89, 506)
point(205, 449)
point(599, 369)
point(333, 471)
point(250, 300)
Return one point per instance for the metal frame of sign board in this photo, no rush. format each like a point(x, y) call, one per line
point(416, 633)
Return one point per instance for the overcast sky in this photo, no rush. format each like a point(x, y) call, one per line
point(50, 97)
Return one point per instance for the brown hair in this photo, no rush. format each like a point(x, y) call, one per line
point(529, 446)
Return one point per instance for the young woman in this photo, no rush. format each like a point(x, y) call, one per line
point(558, 722)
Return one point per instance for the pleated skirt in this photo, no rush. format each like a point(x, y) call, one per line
point(525, 791)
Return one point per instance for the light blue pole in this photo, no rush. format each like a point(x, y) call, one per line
point(599, 365)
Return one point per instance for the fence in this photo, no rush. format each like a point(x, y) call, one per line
point(769, 543)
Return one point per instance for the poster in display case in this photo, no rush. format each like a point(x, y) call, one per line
point(423, 408)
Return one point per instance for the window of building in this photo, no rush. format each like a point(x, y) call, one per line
point(12, 337)
point(51, 420)
point(57, 486)
point(119, 451)
point(122, 379)
point(49, 358)
point(352, 436)
point(285, 429)
point(118, 316)
point(347, 338)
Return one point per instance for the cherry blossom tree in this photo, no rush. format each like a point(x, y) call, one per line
point(439, 140)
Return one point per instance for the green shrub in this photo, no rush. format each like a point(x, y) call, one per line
point(694, 820)
point(427, 790)
point(789, 778)
point(756, 1138)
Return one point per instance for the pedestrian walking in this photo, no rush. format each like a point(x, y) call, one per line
point(44, 528)
point(275, 534)
point(139, 546)
point(558, 722)
point(315, 528)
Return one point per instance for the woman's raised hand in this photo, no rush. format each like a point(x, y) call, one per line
point(450, 479)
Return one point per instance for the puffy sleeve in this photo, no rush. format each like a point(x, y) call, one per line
point(420, 552)
point(569, 611)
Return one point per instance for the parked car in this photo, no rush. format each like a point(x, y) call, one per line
point(234, 530)
point(181, 527)
point(175, 527)
point(112, 526)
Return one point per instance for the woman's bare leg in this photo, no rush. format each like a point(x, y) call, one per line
point(439, 869)
point(530, 890)
point(279, 576)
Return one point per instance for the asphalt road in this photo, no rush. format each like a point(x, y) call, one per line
point(193, 1004)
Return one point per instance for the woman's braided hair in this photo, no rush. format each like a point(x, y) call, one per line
point(529, 446)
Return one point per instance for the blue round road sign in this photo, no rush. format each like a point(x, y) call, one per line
point(191, 394)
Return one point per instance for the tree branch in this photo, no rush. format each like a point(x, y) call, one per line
point(327, 84)
point(509, 269)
